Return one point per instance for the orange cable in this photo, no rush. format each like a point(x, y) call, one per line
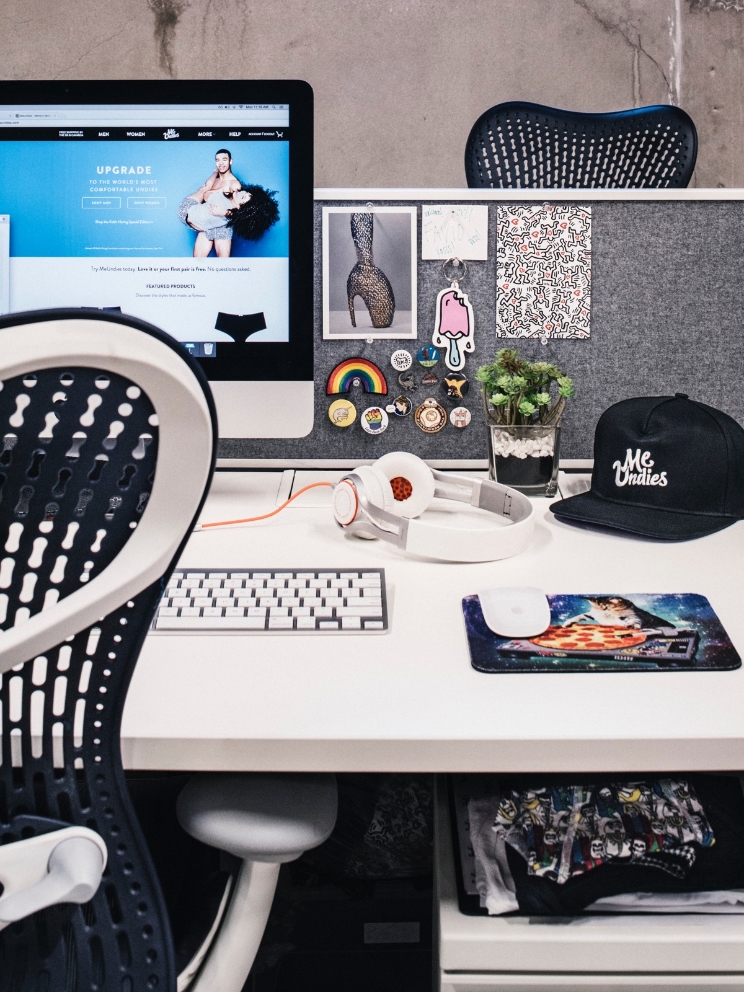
point(265, 516)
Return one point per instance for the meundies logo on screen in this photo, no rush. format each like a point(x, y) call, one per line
point(124, 170)
point(636, 470)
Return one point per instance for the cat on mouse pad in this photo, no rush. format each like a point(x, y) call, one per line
point(616, 611)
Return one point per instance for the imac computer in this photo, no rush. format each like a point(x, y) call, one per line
point(187, 204)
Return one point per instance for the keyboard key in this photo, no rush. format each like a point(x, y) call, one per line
point(372, 575)
point(210, 623)
point(339, 584)
point(181, 601)
point(280, 623)
point(212, 611)
point(190, 611)
point(234, 611)
point(312, 601)
point(224, 601)
point(348, 575)
point(351, 623)
point(365, 584)
point(323, 611)
point(257, 611)
point(300, 611)
point(358, 611)
point(290, 601)
point(172, 611)
point(318, 584)
point(240, 575)
point(262, 575)
point(246, 601)
point(196, 575)
point(352, 593)
point(328, 625)
point(267, 601)
point(278, 611)
point(233, 583)
point(283, 575)
point(297, 584)
point(305, 623)
point(275, 584)
point(373, 625)
point(202, 601)
point(327, 575)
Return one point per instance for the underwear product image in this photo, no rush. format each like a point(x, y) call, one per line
point(240, 326)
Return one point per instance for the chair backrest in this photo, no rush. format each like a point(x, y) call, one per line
point(526, 145)
point(108, 440)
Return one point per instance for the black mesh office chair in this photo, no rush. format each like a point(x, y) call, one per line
point(526, 145)
point(108, 440)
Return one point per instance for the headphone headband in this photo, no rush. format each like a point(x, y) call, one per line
point(439, 541)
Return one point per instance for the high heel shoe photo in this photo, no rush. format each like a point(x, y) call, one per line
point(365, 279)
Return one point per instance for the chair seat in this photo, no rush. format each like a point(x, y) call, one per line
point(260, 817)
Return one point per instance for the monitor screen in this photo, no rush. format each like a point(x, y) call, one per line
point(188, 205)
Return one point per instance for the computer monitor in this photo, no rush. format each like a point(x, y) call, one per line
point(185, 203)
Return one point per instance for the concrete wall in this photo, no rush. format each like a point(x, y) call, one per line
point(398, 83)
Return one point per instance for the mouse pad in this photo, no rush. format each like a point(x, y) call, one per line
point(619, 632)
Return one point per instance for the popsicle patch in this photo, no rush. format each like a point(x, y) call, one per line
point(543, 271)
point(454, 326)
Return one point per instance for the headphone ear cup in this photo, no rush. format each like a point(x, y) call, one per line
point(376, 487)
point(410, 481)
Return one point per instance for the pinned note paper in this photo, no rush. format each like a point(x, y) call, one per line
point(454, 230)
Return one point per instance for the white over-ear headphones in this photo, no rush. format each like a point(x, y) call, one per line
point(381, 500)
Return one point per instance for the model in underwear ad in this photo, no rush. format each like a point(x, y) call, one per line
point(224, 207)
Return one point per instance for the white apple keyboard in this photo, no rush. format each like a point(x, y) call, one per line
point(267, 600)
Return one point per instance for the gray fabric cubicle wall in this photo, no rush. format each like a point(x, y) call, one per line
point(667, 301)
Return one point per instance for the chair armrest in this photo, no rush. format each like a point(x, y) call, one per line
point(62, 866)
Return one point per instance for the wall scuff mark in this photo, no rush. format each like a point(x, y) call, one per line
point(167, 14)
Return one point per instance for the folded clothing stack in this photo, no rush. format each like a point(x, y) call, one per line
point(557, 847)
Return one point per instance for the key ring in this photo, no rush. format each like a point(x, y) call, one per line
point(459, 267)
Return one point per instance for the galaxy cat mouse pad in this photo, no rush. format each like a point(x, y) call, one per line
point(628, 632)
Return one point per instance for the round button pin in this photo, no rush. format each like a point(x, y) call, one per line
point(430, 416)
point(460, 416)
point(401, 360)
point(400, 407)
point(342, 413)
point(374, 420)
point(455, 385)
point(428, 355)
point(429, 379)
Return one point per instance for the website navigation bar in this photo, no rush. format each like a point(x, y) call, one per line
point(222, 134)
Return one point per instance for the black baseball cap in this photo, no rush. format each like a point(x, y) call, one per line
point(665, 467)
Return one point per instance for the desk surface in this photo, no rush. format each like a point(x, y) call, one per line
point(409, 700)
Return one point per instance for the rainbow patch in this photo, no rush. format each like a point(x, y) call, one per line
point(367, 373)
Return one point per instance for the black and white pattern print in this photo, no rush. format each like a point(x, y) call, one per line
point(543, 271)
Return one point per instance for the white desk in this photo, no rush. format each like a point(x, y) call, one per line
point(409, 700)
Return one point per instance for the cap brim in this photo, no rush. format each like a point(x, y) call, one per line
point(645, 521)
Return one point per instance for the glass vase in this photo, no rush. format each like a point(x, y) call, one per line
point(524, 457)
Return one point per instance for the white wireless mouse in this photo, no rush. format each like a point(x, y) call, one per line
point(515, 611)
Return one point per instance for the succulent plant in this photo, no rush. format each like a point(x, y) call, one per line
point(518, 392)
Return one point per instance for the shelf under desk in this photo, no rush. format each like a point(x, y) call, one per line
point(409, 700)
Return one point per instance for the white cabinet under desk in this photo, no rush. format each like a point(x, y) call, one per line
point(599, 952)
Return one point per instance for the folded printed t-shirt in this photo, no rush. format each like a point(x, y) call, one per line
point(508, 879)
